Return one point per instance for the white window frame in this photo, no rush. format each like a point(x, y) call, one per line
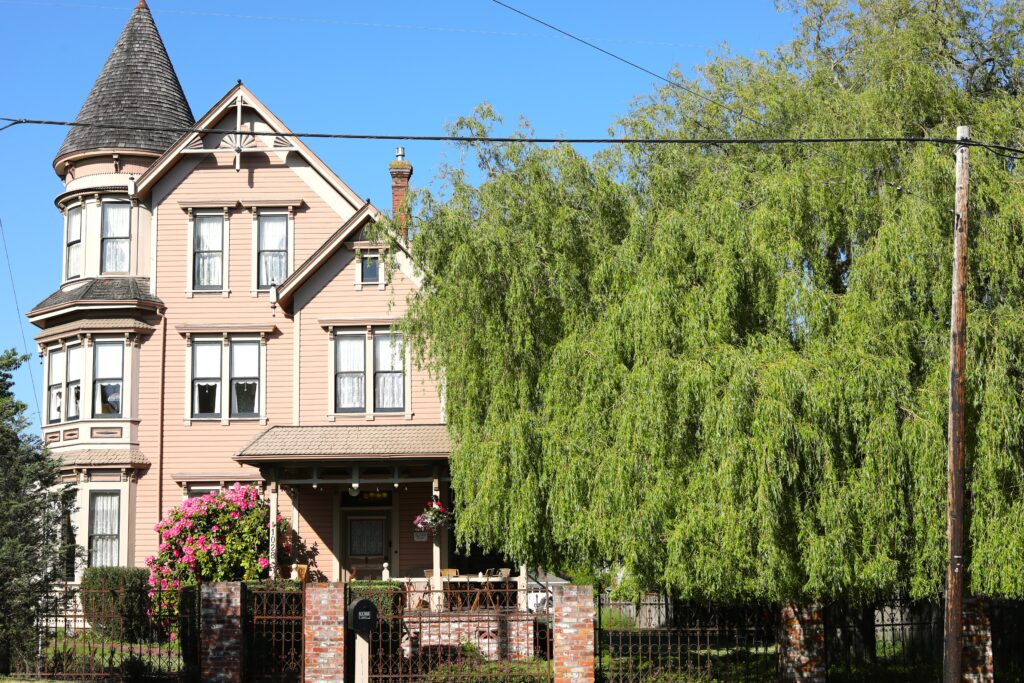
point(360, 254)
point(130, 238)
point(289, 258)
point(66, 384)
point(89, 522)
point(96, 380)
point(52, 386)
point(80, 208)
point(225, 260)
point(361, 336)
point(225, 416)
point(81, 517)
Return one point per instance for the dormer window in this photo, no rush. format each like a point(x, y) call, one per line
point(370, 268)
point(115, 237)
point(74, 243)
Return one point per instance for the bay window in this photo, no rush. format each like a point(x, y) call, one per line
point(74, 243)
point(272, 250)
point(245, 378)
point(73, 391)
point(108, 378)
point(388, 373)
point(55, 386)
point(208, 252)
point(349, 373)
point(104, 528)
point(206, 367)
point(115, 237)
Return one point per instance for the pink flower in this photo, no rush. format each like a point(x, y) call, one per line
point(264, 563)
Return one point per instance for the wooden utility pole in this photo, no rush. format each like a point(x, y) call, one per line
point(952, 665)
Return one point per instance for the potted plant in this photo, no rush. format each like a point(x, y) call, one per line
point(434, 518)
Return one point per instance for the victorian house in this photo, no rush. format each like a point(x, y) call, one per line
point(222, 318)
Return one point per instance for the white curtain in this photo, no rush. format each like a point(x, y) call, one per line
point(389, 378)
point(209, 251)
point(245, 363)
point(74, 242)
point(206, 370)
point(350, 364)
point(56, 388)
point(273, 250)
point(56, 366)
point(74, 382)
point(207, 359)
point(116, 235)
point(103, 535)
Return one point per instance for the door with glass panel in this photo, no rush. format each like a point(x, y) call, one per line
point(366, 544)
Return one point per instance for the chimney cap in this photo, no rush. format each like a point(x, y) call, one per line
point(400, 153)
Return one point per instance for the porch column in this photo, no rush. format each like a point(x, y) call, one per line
point(521, 585)
point(272, 550)
point(437, 598)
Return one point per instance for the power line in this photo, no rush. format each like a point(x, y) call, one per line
point(622, 59)
point(21, 324)
point(995, 148)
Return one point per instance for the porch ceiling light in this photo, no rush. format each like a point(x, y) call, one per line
point(353, 490)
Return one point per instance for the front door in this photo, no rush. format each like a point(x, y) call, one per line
point(366, 544)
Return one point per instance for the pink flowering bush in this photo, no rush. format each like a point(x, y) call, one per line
point(222, 536)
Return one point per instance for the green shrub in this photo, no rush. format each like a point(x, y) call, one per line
point(386, 595)
point(115, 602)
point(526, 671)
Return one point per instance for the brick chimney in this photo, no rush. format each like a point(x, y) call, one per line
point(401, 172)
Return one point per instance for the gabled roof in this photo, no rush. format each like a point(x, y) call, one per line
point(190, 140)
point(348, 442)
point(137, 86)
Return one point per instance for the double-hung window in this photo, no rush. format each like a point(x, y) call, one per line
point(55, 386)
point(272, 250)
point(108, 378)
point(245, 378)
point(208, 252)
point(349, 373)
point(369, 268)
point(73, 393)
point(74, 243)
point(388, 373)
point(104, 528)
point(115, 237)
point(206, 367)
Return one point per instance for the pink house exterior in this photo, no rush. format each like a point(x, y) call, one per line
point(221, 318)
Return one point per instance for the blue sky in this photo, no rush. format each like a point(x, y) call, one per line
point(373, 67)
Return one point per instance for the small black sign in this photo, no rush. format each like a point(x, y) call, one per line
point(362, 616)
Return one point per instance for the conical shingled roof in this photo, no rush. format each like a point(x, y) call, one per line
point(138, 86)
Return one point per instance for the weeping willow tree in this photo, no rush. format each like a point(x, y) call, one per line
point(725, 367)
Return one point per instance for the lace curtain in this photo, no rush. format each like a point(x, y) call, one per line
point(209, 251)
point(350, 362)
point(389, 376)
point(116, 234)
point(74, 242)
point(103, 534)
point(273, 250)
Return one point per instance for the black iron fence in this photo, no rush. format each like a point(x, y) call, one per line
point(272, 615)
point(116, 634)
point(659, 640)
point(486, 630)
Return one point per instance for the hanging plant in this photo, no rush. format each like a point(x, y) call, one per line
point(433, 518)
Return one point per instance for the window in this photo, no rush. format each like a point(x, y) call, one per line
point(388, 373)
point(55, 386)
point(73, 393)
point(272, 250)
point(370, 268)
point(104, 528)
point(108, 373)
point(350, 373)
point(200, 491)
point(115, 234)
point(206, 364)
point(74, 257)
point(245, 378)
point(208, 252)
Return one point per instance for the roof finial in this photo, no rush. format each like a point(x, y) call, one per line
point(142, 5)
point(239, 81)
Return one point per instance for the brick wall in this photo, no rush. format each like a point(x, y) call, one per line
point(573, 638)
point(323, 632)
point(802, 655)
point(977, 652)
point(222, 642)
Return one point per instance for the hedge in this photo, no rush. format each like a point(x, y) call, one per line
point(115, 602)
point(386, 595)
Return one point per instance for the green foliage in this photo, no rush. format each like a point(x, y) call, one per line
point(36, 548)
point(477, 671)
point(386, 595)
point(115, 602)
point(725, 367)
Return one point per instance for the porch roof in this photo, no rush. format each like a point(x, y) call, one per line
point(347, 442)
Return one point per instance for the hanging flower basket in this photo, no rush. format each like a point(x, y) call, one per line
point(434, 518)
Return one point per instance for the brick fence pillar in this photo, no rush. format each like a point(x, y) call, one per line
point(573, 641)
point(323, 632)
point(977, 653)
point(221, 643)
point(803, 644)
